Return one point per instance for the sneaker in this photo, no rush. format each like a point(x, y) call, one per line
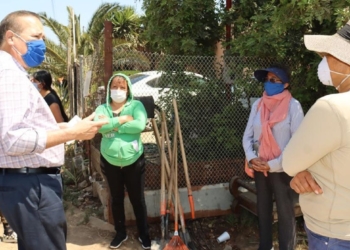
point(117, 241)
point(145, 243)
point(12, 238)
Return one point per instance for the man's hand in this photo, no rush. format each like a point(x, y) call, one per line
point(303, 182)
point(87, 128)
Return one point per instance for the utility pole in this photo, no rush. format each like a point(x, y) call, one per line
point(228, 25)
point(227, 75)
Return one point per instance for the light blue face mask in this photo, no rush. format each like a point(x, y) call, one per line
point(36, 85)
point(35, 52)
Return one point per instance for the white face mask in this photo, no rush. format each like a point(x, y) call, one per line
point(324, 74)
point(118, 96)
point(36, 85)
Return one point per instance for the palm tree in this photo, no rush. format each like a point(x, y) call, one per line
point(73, 41)
point(126, 26)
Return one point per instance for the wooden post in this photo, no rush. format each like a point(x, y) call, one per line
point(108, 51)
point(108, 73)
point(228, 39)
point(228, 25)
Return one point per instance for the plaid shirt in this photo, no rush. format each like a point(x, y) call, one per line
point(25, 119)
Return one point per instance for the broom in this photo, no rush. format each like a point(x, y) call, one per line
point(162, 188)
point(185, 234)
point(171, 183)
point(189, 188)
point(176, 243)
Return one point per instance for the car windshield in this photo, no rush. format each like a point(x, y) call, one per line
point(137, 77)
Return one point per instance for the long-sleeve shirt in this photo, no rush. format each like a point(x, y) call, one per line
point(321, 146)
point(25, 119)
point(282, 131)
point(121, 144)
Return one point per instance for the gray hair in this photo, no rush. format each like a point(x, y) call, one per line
point(10, 22)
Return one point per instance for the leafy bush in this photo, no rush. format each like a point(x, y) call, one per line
point(208, 118)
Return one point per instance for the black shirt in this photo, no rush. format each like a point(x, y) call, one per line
point(51, 98)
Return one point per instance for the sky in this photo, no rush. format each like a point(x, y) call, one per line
point(57, 9)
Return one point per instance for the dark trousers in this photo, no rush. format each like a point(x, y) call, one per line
point(32, 204)
point(276, 185)
point(133, 178)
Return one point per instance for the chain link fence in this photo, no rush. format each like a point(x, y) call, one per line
point(214, 97)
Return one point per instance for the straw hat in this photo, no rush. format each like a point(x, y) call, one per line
point(337, 45)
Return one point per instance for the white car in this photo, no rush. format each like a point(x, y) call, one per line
point(156, 83)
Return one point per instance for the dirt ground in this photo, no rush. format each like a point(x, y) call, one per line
point(87, 231)
point(84, 236)
point(96, 234)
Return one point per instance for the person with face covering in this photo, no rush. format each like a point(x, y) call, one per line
point(42, 81)
point(31, 141)
point(318, 155)
point(272, 122)
point(122, 157)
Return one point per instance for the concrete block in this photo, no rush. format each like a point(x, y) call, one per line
point(211, 200)
point(101, 191)
point(100, 224)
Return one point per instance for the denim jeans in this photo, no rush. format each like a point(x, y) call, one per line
point(319, 242)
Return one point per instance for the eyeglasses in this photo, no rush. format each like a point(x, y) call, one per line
point(273, 80)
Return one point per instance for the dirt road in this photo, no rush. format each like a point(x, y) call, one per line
point(85, 237)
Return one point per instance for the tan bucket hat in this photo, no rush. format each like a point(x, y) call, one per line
point(337, 45)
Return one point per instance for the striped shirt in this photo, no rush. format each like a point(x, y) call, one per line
point(282, 132)
point(25, 119)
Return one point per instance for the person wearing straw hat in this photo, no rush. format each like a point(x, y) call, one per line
point(318, 154)
point(273, 120)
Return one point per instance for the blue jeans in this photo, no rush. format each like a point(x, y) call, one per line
point(319, 242)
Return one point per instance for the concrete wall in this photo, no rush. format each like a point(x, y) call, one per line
point(213, 200)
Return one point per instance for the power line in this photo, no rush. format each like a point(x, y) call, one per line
point(53, 8)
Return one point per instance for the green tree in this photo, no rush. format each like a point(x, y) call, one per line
point(176, 27)
point(60, 55)
point(275, 29)
point(126, 27)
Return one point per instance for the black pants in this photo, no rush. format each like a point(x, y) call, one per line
point(276, 185)
point(133, 178)
point(32, 204)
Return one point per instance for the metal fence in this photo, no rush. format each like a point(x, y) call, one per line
point(214, 96)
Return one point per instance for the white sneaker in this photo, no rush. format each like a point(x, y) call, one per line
point(10, 238)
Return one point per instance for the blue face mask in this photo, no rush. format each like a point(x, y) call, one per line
point(273, 88)
point(35, 52)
